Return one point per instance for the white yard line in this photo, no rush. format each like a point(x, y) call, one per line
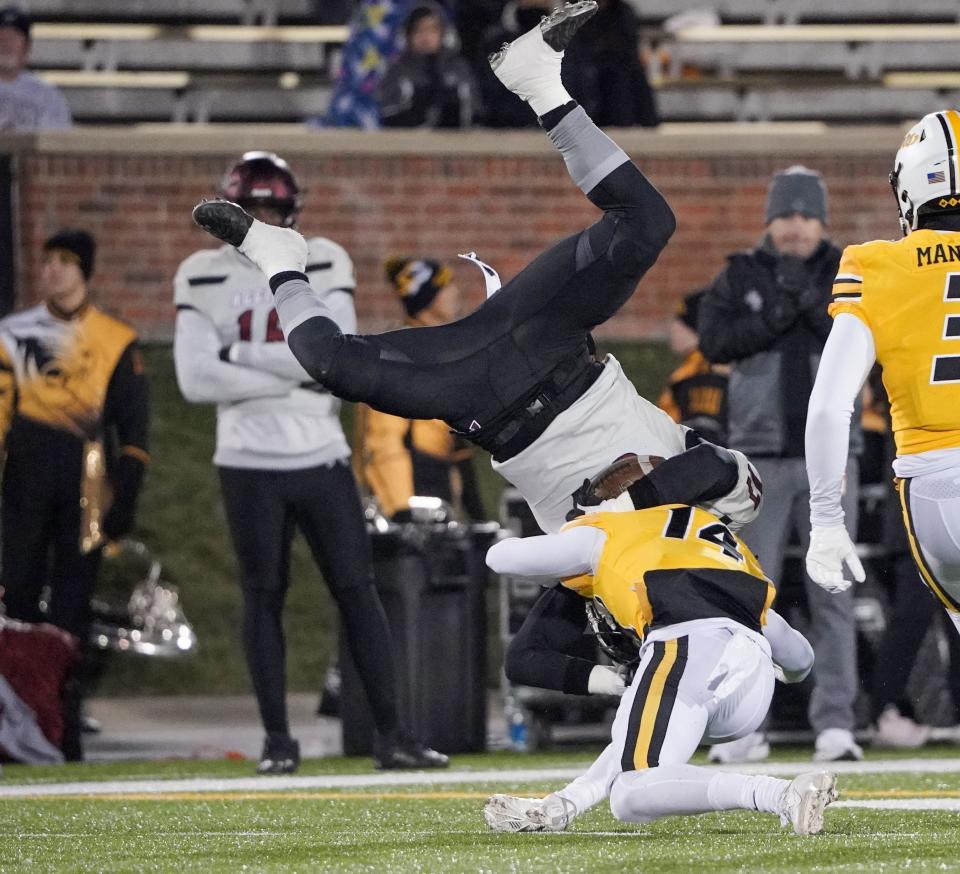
point(440, 778)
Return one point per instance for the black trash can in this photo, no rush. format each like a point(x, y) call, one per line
point(432, 581)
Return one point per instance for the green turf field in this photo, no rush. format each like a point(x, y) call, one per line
point(421, 827)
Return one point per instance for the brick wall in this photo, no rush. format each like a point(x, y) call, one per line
point(506, 207)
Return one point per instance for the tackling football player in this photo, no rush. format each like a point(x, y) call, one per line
point(677, 578)
point(899, 303)
point(517, 376)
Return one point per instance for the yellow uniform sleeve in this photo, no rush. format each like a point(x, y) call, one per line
point(848, 286)
point(385, 464)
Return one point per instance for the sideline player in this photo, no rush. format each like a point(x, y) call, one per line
point(898, 303)
point(517, 376)
point(676, 577)
point(283, 461)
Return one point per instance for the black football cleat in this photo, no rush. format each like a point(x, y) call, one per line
point(560, 25)
point(397, 751)
point(224, 220)
point(281, 755)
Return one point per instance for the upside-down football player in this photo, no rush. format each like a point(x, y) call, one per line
point(677, 578)
point(517, 376)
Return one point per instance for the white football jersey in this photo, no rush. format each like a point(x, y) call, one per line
point(270, 414)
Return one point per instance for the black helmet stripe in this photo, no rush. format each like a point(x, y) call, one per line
point(951, 151)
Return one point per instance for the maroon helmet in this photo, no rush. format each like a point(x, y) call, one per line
point(263, 178)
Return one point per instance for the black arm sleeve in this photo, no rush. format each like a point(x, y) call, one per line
point(126, 420)
point(542, 653)
point(704, 473)
point(729, 332)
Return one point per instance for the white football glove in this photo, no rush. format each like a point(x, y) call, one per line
point(789, 677)
point(604, 680)
point(830, 549)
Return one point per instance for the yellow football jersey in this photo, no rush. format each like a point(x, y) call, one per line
point(908, 294)
point(673, 564)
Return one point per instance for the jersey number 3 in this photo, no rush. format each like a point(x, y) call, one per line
point(716, 533)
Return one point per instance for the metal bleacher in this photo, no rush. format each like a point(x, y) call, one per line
point(122, 61)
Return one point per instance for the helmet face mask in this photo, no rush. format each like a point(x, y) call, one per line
point(264, 179)
point(926, 173)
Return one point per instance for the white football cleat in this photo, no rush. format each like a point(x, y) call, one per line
point(273, 249)
point(530, 65)
point(804, 800)
point(508, 813)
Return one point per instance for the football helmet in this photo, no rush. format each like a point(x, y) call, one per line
point(264, 178)
point(926, 172)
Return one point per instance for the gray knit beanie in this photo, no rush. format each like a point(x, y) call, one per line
point(797, 189)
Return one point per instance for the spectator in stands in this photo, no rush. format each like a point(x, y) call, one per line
point(619, 93)
point(73, 417)
point(429, 85)
point(766, 314)
point(696, 395)
point(283, 462)
point(26, 101)
point(398, 458)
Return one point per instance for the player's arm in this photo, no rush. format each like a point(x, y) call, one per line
point(568, 554)
point(703, 473)
point(789, 649)
point(844, 366)
point(204, 378)
point(540, 654)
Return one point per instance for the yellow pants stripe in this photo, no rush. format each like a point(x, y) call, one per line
point(651, 705)
point(903, 487)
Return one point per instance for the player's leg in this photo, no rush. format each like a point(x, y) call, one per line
point(261, 528)
point(931, 513)
point(668, 786)
point(330, 516)
point(473, 369)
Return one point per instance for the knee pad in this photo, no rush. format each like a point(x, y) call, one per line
point(629, 256)
point(623, 797)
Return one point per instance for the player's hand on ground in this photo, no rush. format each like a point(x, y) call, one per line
point(830, 549)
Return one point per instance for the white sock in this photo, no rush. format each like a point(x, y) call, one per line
point(593, 786)
point(757, 792)
point(547, 98)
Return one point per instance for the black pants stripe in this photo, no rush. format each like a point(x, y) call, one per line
point(264, 508)
point(653, 704)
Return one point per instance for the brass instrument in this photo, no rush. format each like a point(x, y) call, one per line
point(95, 496)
